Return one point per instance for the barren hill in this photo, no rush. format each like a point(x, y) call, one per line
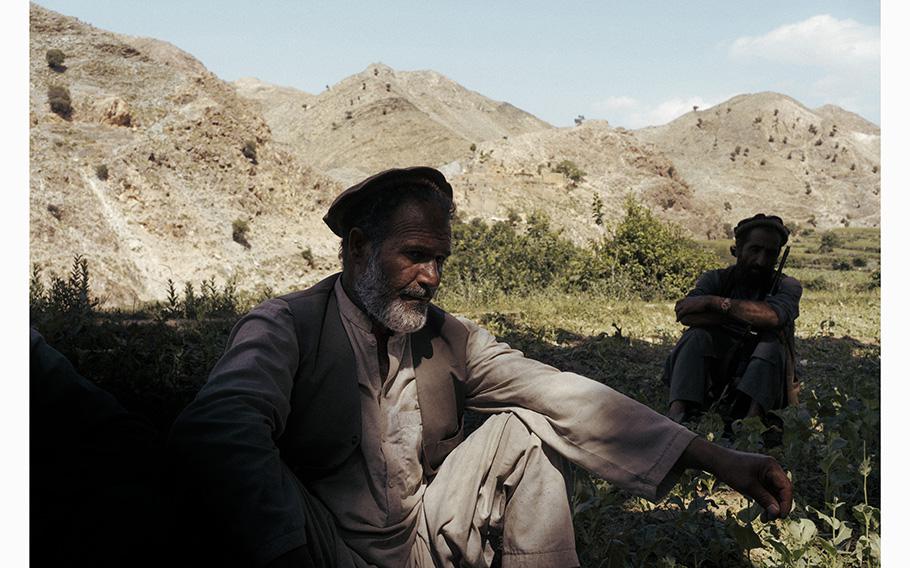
point(147, 173)
point(382, 118)
point(535, 171)
point(768, 152)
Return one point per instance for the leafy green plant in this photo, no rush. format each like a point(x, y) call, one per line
point(571, 170)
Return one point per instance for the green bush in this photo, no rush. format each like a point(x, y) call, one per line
point(841, 264)
point(58, 98)
point(829, 241)
point(101, 172)
point(55, 59)
point(654, 258)
point(645, 258)
point(500, 258)
point(571, 170)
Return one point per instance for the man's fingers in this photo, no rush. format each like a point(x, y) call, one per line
point(774, 492)
point(778, 482)
point(768, 503)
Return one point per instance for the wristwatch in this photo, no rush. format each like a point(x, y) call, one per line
point(725, 305)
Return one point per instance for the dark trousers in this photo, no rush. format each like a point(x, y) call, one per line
point(705, 360)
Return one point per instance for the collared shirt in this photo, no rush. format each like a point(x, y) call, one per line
point(226, 435)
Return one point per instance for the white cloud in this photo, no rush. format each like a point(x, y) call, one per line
point(821, 40)
point(632, 113)
point(615, 103)
point(669, 110)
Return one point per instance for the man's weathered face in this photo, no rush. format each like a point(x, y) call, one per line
point(757, 256)
point(398, 278)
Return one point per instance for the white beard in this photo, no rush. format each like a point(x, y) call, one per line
point(384, 304)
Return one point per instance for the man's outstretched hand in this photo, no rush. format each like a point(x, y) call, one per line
point(756, 476)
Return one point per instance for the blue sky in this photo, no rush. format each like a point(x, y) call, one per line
point(632, 63)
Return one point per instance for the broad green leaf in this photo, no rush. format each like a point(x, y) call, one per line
point(744, 536)
point(801, 530)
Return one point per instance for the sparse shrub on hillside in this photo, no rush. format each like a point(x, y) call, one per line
point(728, 230)
point(784, 140)
point(858, 262)
point(239, 230)
point(249, 151)
point(58, 97)
point(597, 208)
point(101, 172)
point(67, 305)
point(571, 170)
point(579, 119)
point(699, 123)
point(808, 188)
point(874, 169)
point(812, 129)
point(348, 115)
point(841, 264)
point(776, 111)
point(473, 147)
point(762, 162)
point(307, 255)
point(55, 59)
point(756, 120)
point(818, 142)
point(770, 138)
point(55, 211)
point(829, 241)
point(727, 206)
point(875, 279)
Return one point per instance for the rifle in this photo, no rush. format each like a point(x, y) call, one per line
point(780, 271)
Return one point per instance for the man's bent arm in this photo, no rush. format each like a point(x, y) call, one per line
point(223, 443)
point(589, 423)
point(708, 310)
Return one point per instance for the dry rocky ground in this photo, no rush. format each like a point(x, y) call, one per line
point(188, 155)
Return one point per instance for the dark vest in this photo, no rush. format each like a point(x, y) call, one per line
point(324, 426)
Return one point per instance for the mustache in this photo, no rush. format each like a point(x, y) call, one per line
point(419, 293)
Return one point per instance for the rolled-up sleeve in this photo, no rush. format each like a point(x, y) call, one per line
point(223, 443)
point(590, 424)
point(785, 302)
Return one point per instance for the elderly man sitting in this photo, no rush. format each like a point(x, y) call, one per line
point(330, 433)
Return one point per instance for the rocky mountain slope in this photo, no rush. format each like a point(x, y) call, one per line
point(161, 170)
point(769, 152)
point(147, 174)
point(381, 118)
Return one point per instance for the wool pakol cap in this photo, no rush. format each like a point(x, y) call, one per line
point(762, 220)
point(347, 200)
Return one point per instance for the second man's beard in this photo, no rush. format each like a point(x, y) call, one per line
point(384, 303)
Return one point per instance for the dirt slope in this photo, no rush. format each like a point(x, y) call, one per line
point(171, 136)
